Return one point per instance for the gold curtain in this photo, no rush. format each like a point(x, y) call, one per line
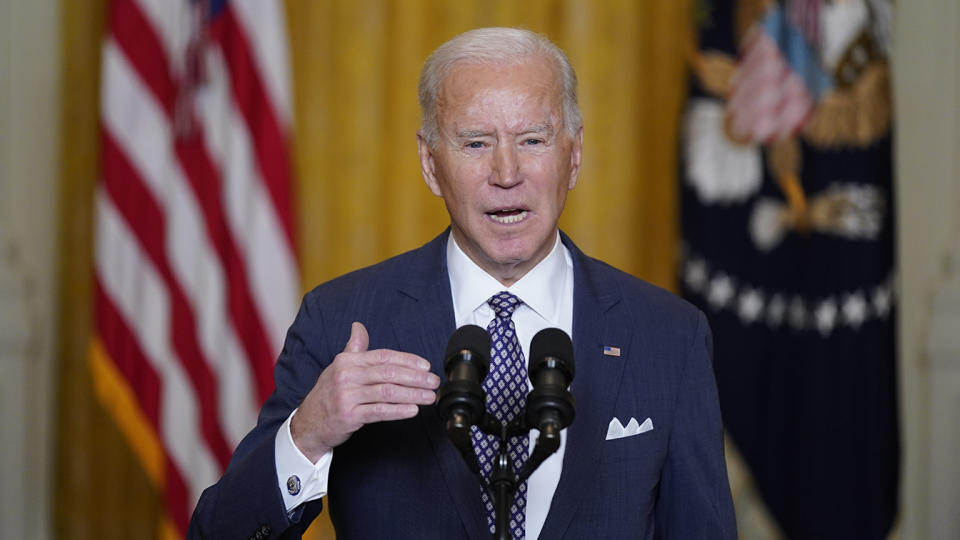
point(355, 70)
point(360, 196)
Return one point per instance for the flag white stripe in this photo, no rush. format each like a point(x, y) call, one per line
point(264, 25)
point(130, 112)
point(140, 296)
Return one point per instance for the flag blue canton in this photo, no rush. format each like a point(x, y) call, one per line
point(215, 6)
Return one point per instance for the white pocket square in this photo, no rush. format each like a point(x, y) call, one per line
point(616, 430)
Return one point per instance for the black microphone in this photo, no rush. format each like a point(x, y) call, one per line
point(550, 406)
point(461, 400)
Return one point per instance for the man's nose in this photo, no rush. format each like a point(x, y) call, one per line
point(506, 166)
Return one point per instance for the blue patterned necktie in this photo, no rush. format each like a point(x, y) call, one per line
point(506, 388)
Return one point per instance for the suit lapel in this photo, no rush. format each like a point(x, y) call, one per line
point(424, 322)
point(594, 388)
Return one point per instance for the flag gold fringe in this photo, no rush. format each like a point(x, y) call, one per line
point(168, 531)
point(120, 402)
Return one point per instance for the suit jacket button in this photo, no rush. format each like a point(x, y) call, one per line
point(265, 531)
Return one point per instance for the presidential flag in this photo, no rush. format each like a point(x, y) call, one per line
point(788, 246)
point(196, 274)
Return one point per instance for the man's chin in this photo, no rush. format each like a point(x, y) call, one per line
point(505, 254)
point(509, 254)
point(517, 262)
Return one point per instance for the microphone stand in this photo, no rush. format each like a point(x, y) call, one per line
point(549, 407)
point(504, 481)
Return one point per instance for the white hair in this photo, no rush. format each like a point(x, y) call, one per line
point(493, 46)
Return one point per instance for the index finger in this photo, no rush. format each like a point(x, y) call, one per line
point(381, 357)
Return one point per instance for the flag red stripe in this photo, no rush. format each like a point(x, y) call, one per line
point(124, 350)
point(176, 496)
point(269, 141)
point(207, 186)
point(137, 39)
point(123, 184)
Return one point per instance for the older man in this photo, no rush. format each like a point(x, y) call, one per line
point(501, 144)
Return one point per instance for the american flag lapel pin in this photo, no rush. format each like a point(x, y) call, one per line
point(611, 351)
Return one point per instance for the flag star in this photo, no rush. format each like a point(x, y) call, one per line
point(855, 309)
point(721, 291)
point(881, 301)
point(798, 313)
point(776, 310)
point(750, 305)
point(696, 274)
point(826, 316)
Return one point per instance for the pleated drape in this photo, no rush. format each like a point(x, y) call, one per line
point(359, 191)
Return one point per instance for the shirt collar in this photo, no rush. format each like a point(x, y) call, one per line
point(471, 286)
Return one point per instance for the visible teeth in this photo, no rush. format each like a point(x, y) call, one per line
point(512, 218)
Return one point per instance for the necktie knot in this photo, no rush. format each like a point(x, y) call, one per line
point(504, 304)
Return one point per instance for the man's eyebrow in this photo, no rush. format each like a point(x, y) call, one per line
point(543, 129)
point(471, 133)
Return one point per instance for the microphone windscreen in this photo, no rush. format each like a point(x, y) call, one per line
point(554, 343)
point(470, 337)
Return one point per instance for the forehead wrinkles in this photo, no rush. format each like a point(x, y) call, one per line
point(515, 97)
point(509, 111)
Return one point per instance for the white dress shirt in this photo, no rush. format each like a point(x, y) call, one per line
point(547, 295)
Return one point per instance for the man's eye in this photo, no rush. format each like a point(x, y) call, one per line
point(474, 144)
point(531, 142)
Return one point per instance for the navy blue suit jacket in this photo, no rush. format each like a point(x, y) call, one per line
point(405, 479)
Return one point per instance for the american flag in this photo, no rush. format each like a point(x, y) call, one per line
point(196, 275)
point(778, 78)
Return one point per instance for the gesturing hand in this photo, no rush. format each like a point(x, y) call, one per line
point(360, 387)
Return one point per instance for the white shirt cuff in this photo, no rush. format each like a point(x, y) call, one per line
point(300, 479)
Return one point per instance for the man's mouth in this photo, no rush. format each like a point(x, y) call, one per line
point(508, 215)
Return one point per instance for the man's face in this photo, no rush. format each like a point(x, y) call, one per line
point(503, 162)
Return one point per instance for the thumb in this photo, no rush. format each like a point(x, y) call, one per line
point(359, 340)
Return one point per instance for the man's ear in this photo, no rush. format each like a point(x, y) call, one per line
point(427, 165)
point(576, 153)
